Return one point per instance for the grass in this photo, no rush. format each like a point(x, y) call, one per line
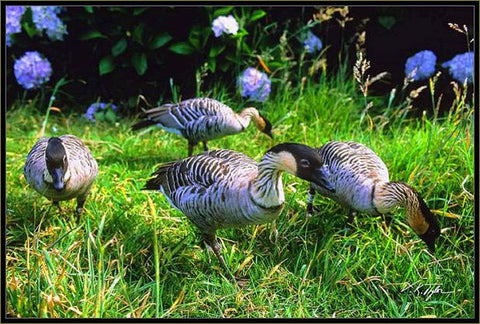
point(132, 255)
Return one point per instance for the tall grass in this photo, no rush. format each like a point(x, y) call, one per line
point(133, 255)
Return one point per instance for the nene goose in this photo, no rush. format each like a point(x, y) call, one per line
point(61, 168)
point(358, 179)
point(202, 119)
point(224, 188)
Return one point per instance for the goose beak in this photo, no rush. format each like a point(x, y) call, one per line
point(320, 180)
point(57, 177)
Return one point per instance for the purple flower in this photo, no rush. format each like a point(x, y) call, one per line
point(312, 43)
point(45, 18)
point(12, 25)
point(461, 67)
point(223, 24)
point(31, 70)
point(254, 84)
point(95, 107)
point(423, 63)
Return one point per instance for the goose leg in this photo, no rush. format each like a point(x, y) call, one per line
point(310, 208)
point(211, 240)
point(205, 146)
point(80, 202)
point(191, 145)
point(388, 219)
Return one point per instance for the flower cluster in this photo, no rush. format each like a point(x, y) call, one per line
point(98, 106)
point(31, 70)
point(223, 24)
point(312, 43)
point(13, 16)
point(421, 65)
point(45, 18)
point(461, 67)
point(254, 84)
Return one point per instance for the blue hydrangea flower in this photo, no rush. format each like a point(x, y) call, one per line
point(223, 24)
point(98, 106)
point(312, 43)
point(45, 18)
point(12, 24)
point(424, 63)
point(31, 70)
point(254, 84)
point(461, 67)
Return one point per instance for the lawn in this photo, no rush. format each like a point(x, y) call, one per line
point(132, 255)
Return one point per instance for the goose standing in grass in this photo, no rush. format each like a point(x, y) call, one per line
point(202, 119)
point(224, 188)
point(358, 179)
point(61, 168)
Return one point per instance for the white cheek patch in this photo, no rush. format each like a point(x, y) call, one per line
point(288, 162)
point(47, 177)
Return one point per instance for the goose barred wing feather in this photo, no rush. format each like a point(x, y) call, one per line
point(202, 186)
point(196, 119)
point(36, 163)
point(352, 170)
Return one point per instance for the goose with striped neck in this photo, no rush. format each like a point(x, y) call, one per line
point(202, 119)
point(224, 188)
point(358, 179)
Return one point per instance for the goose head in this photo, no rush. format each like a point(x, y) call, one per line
point(57, 162)
point(299, 160)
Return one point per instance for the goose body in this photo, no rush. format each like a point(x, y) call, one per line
point(358, 180)
point(61, 168)
point(201, 120)
point(224, 188)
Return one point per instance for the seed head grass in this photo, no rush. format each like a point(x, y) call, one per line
point(132, 255)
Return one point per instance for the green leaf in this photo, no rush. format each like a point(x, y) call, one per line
point(106, 65)
point(160, 40)
point(31, 30)
point(182, 48)
point(119, 47)
point(139, 62)
point(138, 11)
point(245, 48)
point(92, 34)
point(387, 21)
point(222, 11)
point(137, 33)
point(99, 116)
point(194, 36)
point(257, 14)
point(110, 115)
point(212, 64)
point(89, 9)
point(215, 50)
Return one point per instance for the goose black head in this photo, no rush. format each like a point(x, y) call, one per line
point(265, 126)
point(299, 160)
point(433, 230)
point(57, 163)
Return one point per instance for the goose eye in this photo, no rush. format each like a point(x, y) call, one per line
point(304, 163)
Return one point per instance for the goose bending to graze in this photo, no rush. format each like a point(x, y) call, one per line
point(360, 181)
point(224, 188)
point(202, 119)
point(61, 168)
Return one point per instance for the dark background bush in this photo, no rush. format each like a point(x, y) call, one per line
point(392, 35)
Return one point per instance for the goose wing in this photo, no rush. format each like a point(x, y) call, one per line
point(200, 172)
point(188, 116)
